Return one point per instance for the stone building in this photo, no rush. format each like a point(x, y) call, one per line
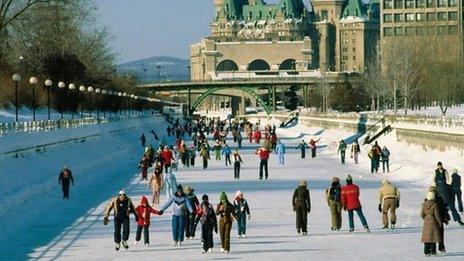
point(293, 36)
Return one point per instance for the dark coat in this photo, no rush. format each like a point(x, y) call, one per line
point(226, 211)
point(432, 223)
point(301, 199)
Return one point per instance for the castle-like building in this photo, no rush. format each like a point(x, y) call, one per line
point(293, 35)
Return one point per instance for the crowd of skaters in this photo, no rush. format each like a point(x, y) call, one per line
point(188, 211)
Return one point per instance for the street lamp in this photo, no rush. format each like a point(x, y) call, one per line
point(61, 85)
point(33, 82)
point(48, 85)
point(90, 90)
point(72, 87)
point(105, 92)
point(16, 78)
point(121, 101)
point(82, 89)
point(158, 67)
point(97, 91)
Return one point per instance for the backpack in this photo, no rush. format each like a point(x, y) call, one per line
point(335, 193)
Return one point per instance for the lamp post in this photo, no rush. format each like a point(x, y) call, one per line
point(158, 67)
point(97, 92)
point(104, 92)
point(90, 90)
point(61, 85)
point(82, 89)
point(72, 87)
point(121, 102)
point(48, 84)
point(16, 78)
point(131, 104)
point(33, 82)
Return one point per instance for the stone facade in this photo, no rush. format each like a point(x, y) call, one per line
point(251, 35)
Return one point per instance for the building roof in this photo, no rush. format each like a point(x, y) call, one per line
point(355, 8)
point(259, 10)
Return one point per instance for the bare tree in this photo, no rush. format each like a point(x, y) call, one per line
point(324, 87)
point(374, 82)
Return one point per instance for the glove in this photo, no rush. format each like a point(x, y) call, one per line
point(160, 212)
point(105, 221)
point(397, 204)
point(380, 208)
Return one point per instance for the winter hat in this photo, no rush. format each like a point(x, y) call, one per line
point(238, 193)
point(122, 192)
point(204, 197)
point(430, 196)
point(349, 178)
point(179, 188)
point(144, 200)
point(335, 179)
point(455, 170)
point(223, 197)
point(439, 163)
point(303, 183)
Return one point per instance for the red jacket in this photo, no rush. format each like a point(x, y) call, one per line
point(144, 212)
point(350, 197)
point(257, 135)
point(167, 156)
point(263, 153)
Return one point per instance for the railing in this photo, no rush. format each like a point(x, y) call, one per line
point(47, 125)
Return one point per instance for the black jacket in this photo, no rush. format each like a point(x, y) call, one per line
point(301, 199)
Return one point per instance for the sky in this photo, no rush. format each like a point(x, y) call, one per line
point(146, 28)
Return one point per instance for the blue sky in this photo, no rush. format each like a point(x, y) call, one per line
point(145, 28)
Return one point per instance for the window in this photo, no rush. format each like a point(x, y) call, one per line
point(399, 31)
point(453, 29)
point(420, 30)
point(453, 16)
point(354, 58)
point(398, 18)
point(442, 29)
point(453, 3)
point(387, 18)
point(387, 4)
point(430, 3)
point(442, 3)
point(398, 4)
point(442, 16)
point(409, 3)
point(419, 17)
point(354, 49)
point(420, 3)
point(387, 31)
point(345, 49)
point(431, 17)
point(409, 17)
point(409, 30)
point(344, 58)
point(324, 15)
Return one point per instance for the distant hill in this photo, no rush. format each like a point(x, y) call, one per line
point(172, 69)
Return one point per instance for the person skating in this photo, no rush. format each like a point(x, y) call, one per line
point(208, 223)
point(385, 158)
point(150, 152)
point(280, 150)
point(192, 155)
point(355, 151)
point(389, 201)
point(239, 139)
point(226, 211)
point(442, 181)
point(237, 164)
point(122, 207)
point(372, 154)
point(190, 222)
point(263, 154)
point(144, 212)
point(334, 201)
point(167, 158)
point(257, 135)
point(65, 179)
point(156, 183)
point(181, 204)
point(342, 150)
point(432, 225)
point(444, 216)
point(301, 203)
point(170, 183)
point(243, 211)
point(144, 164)
point(226, 151)
point(351, 203)
point(456, 189)
point(313, 146)
point(302, 146)
point(143, 139)
point(217, 150)
point(205, 156)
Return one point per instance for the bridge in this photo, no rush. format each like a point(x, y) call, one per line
point(252, 85)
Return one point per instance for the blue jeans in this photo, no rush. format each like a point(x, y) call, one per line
point(178, 224)
point(361, 217)
point(386, 162)
point(241, 223)
point(281, 159)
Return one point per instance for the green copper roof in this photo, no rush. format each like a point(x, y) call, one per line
point(355, 8)
point(291, 8)
point(232, 9)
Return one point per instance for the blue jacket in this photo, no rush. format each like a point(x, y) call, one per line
point(180, 203)
point(280, 149)
point(170, 181)
point(226, 151)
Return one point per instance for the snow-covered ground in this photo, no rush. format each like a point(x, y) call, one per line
point(46, 227)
